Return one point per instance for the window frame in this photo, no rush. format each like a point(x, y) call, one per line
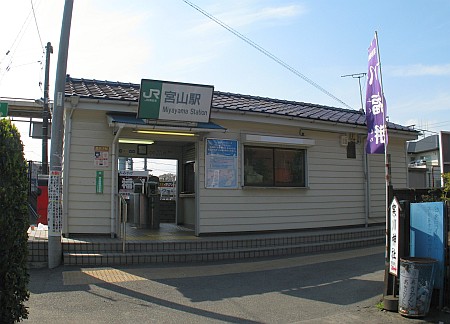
point(188, 177)
point(275, 183)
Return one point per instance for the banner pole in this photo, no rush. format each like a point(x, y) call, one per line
point(386, 161)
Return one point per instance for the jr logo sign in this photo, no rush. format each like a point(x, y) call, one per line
point(175, 101)
point(152, 94)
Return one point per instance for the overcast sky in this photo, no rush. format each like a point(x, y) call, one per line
point(168, 40)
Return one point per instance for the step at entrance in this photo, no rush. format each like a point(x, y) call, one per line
point(203, 249)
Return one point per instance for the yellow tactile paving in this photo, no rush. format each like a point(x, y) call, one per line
point(108, 275)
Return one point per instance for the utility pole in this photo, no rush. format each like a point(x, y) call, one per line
point(357, 76)
point(45, 111)
point(55, 178)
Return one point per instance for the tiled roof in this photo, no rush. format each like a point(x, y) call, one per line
point(108, 90)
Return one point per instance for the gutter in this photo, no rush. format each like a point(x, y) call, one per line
point(114, 214)
point(66, 169)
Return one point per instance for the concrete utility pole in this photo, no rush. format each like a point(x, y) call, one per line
point(55, 179)
point(45, 111)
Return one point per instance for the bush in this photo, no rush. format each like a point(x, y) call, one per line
point(14, 223)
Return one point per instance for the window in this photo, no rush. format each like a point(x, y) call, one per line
point(351, 150)
point(274, 167)
point(189, 177)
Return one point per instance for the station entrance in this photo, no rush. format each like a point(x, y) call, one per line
point(156, 176)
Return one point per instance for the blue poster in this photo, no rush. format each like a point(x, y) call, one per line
point(427, 235)
point(221, 163)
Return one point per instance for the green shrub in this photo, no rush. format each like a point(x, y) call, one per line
point(445, 187)
point(14, 222)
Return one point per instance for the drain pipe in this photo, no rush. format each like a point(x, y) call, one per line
point(113, 181)
point(366, 188)
point(66, 166)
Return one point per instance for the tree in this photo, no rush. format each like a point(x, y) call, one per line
point(14, 223)
point(168, 177)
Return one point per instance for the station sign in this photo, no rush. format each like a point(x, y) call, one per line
point(175, 101)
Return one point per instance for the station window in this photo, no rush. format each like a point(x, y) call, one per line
point(189, 177)
point(274, 167)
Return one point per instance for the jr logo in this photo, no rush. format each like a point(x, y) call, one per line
point(151, 93)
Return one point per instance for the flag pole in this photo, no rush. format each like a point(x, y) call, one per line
point(386, 162)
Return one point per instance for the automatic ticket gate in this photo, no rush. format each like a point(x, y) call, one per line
point(143, 202)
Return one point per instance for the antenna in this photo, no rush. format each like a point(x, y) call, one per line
point(357, 76)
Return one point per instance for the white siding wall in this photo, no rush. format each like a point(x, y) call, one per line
point(88, 212)
point(335, 196)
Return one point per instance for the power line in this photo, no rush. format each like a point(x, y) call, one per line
point(19, 34)
point(10, 53)
point(37, 27)
point(265, 52)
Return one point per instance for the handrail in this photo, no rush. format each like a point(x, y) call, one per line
point(123, 215)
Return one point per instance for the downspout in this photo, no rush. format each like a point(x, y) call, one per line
point(197, 187)
point(113, 182)
point(66, 167)
point(366, 188)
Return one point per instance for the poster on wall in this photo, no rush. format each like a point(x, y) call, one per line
point(221, 163)
point(101, 156)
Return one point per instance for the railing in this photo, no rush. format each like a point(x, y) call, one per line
point(123, 215)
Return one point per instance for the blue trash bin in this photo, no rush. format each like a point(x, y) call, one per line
point(416, 285)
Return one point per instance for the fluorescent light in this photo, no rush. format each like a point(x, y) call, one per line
point(135, 141)
point(163, 133)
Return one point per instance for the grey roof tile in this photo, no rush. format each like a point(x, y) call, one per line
point(108, 90)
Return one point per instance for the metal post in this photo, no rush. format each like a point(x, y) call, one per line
point(55, 210)
point(357, 76)
point(45, 111)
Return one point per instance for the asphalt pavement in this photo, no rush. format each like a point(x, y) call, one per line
point(336, 287)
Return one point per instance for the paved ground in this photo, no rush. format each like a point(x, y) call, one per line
point(338, 287)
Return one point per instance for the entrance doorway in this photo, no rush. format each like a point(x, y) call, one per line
point(166, 171)
point(171, 164)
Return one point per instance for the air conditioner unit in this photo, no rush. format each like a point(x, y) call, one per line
point(344, 140)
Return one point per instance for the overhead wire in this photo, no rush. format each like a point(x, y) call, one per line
point(10, 53)
point(42, 45)
point(37, 27)
point(265, 52)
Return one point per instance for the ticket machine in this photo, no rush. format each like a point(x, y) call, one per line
point(152, 194)
point(142, 194)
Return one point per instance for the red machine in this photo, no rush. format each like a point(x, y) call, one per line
point(42, 201)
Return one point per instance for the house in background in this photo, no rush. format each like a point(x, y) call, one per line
point(423, 167)
point(428, 159)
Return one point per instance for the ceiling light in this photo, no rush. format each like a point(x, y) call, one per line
point(163, 133)
point(135, 141)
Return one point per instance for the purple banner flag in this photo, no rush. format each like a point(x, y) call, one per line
point(375, 105)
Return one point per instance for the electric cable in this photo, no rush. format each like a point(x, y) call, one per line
point(265, 52)
point(10, 53)
point(37, 27)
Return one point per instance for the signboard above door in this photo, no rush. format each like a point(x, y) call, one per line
point(175, 101)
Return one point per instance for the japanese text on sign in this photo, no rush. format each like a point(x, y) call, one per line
point(221, 163)
point(394, 231)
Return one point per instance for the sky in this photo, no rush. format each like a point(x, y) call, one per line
point(323, 40)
